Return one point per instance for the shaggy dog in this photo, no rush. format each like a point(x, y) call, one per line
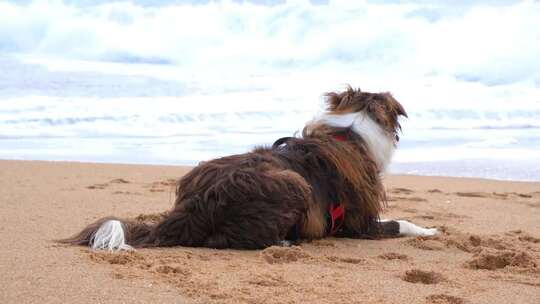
point(325, 183)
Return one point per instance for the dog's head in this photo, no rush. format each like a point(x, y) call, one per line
point(382, 108)
point(373, 116)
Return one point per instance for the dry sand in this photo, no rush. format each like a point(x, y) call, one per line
point(489, 251)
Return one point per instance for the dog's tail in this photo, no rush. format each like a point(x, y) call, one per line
point(170, 229)
point(111, 233)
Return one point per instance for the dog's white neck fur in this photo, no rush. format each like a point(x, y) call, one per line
point(380, 143)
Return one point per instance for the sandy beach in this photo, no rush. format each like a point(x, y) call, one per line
point(488, 252)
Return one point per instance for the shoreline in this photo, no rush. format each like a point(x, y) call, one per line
point(406, 168)
point(488, 252)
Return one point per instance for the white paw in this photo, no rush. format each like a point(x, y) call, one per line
point(429, 232)
point(285, 243)
point(409, 229)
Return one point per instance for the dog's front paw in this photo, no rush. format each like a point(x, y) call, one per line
point(409, 229)
point(286, 243)
point(429, 232)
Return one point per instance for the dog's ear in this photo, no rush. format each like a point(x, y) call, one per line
point(385, 110)
point(392, 105)
point(340, 101)
point(398, 108)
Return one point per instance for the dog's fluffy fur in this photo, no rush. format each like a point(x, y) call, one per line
point(272, 194)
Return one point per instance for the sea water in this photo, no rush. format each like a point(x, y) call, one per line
point(178, 82)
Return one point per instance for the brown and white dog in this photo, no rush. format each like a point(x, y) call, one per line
point(326, 182)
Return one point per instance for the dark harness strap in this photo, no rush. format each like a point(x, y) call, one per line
point(281, 141)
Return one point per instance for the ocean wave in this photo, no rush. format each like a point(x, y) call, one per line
point(32, 79)
point(240, 112)
point(471, 118)
point(157, 117)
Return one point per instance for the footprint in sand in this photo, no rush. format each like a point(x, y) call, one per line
point(323, 243)
point(470, 243)
point(400, 191)
point(514, 249)
point(119, 181)
point(127, 193)
point(171, 269)
point(423, 277)
point(406, 198)
point(393, 256)
point(502, 259)
point(472, 194)
point(281, 255)
point(268, 280)
point(98, 186)
point(495, 195)
point(425, 243)
point(161, 186)
point(403, 191)
point(107, 184)
point(117, 258)
point(444, 299)
point(528, 238)
point(523, 195)
point(431, 215)
point(410, 210)
point(347, 260)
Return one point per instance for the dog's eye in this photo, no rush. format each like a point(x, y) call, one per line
point(397, 137)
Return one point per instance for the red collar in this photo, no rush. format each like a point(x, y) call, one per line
point(340, 137)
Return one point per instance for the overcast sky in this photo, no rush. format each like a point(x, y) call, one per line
point(492, 44)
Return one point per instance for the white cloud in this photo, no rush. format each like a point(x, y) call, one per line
point(379, 45)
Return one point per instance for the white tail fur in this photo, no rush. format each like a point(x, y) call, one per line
point(110, 236)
